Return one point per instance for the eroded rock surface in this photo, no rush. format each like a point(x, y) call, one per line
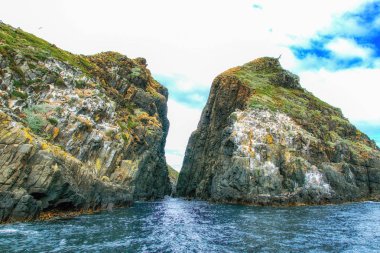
point(262, 139)
point(105, 112)
point(36, 176)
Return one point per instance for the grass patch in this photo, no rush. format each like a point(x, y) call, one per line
point(173, 174)
point(35, 119)
point(311, 113)
point(53, 121)
point(15, 40)
point(35, 122)
point(19, 94)
point(60, 82)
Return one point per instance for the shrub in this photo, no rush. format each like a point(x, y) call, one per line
point(59, 110)
point(53, 121)
point(123, 126)
point(18, 83)
point(80, 84)
point(125, 137)
point(33, 118)
point(72, 101)
point(34, 121)
point(18, 71)
point(19, 94)
point(60, 82)
point(132, 124)
point(33, 81)
point(135, 72)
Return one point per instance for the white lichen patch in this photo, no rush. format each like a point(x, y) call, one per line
point(67, 72)
point(256, 132)
point(269, 169)
point(256, 128)
point(257, 135)
point(314, 180)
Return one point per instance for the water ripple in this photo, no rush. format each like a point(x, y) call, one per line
point(175, 225)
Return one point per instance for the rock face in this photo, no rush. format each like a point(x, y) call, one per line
point(37, 176)
point(77, 131)
point(173, 176)
point(262, 139)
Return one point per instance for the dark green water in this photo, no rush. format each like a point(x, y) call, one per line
point(175, 225)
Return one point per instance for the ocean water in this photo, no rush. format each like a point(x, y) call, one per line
point(176, 225)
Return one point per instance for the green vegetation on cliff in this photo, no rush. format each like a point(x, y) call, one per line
point(277, 89)
point(173, 174)
point(16, 41)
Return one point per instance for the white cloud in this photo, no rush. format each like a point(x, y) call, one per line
point(198, 98)
point(298, 20)
point(376, 23)
point(348, 48)
point(355, 91)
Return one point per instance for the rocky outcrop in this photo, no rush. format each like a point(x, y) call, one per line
point(37, 177)
point(104, 115)
point(262, 139)
point(173, 176)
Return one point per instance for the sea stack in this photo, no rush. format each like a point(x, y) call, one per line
point(77, 132)
point(263, 139)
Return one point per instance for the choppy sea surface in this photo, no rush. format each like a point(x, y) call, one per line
point(176, 225)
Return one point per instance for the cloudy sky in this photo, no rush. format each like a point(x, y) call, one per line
point(334, 46)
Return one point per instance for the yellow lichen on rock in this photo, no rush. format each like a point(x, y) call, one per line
point(98, 165)
point(55, 132)
point(269, 139)
point(44, 146)
point(27, 135)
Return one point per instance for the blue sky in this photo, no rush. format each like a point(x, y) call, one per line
point(373, 131)
point(353, 40)
point(350, 43)
point(332, 45)
point(195, 97)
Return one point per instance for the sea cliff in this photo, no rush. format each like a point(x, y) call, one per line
point(263, 139)
point(77, 132)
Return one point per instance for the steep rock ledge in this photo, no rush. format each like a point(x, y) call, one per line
point(262, 139)
point(105, 111)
